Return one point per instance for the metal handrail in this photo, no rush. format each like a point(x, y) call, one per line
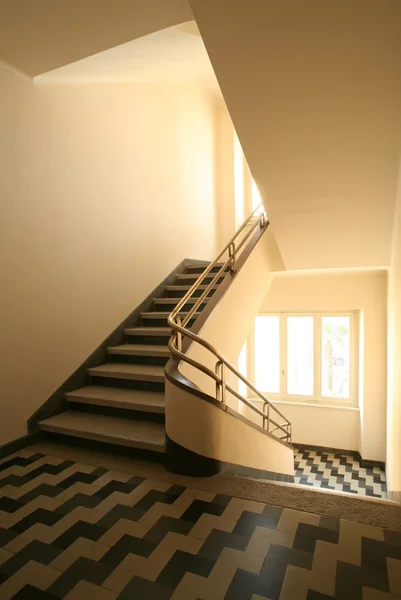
point(257, 218)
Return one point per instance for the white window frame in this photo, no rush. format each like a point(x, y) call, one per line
point(316, 398)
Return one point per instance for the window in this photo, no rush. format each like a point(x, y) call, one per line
point(310, 357)
point(336, 336)
point(299, 361)
point(256, 198)
point(267, 359)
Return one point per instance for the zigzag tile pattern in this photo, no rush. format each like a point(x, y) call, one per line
point(72, 531)
point(340, 471)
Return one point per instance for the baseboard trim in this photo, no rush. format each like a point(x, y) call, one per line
point(19, 443)
point(353, 453)
point(365, 464)
point(395, 496)
point(186, 462)
point(56, 403)
point(369, 464)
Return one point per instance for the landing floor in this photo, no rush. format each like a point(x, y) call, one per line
point(74, 530)
point(340, 471)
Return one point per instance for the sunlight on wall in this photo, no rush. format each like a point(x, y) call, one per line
point(105, 186)
point(242, 368)
point(394, 362)
point(239, 195)
point(366, 291)
point(256, 197)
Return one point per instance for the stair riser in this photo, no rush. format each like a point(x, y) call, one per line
point(138, 360)
point(195, 269)
point(148, 339)
point(105, 447)
point(190, 280)
point(133, 415)
point(166, 306)
point(181, 293)
point(160, 322)
point(128, 384)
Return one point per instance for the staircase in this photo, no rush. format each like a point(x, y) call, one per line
point(124, 404)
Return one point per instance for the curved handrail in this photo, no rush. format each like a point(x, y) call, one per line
point(256, 219)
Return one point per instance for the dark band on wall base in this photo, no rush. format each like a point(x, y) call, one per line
point(395, 496)
point(20, 443)
point(185, 462)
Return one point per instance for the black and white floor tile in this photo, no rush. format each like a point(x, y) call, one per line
point(71, 531)
point(340, 471)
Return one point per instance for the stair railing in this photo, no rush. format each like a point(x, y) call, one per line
point(179, 326)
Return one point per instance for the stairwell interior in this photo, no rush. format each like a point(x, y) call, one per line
point(124, 404)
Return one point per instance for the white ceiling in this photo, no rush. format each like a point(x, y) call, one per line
point(37, 36)
point(173, 54)
point(314, 91)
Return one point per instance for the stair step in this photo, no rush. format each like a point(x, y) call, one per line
point(158, 301)
point(171, 289)
point(153, 373)
point(118, 398)
point(140, 350)
point(110, 430)
point(194, 277)
point(163, 315)
point(186, 288)
point(145, 331)
point(200, 267)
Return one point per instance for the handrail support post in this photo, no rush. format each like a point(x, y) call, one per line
point(221, 384)
point(232, 255)
point(266, 410)
point(179, 334)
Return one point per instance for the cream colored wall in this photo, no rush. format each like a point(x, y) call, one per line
point(225, 176)
point(104, 190)
point(318, 425)
point(364, 290)
point(231, 320)
point(394, 364)
point(217, 434)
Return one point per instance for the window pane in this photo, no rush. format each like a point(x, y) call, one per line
point(267, 354)
point(300, 355)
point(335, 357)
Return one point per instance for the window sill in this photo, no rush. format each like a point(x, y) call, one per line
point(310, 404)
point(317, 404)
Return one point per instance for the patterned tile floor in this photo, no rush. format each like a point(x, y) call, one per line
point(338, 471)
point(71, 530)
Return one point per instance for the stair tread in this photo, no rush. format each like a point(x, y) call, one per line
point(203, 265)
point(148, 331)
point(195, 276)
point(163, 314)
point(140, 350)
point(172, 288)
point(129, 371)
point(176, 300)
point(117, 397)
point(141, 434)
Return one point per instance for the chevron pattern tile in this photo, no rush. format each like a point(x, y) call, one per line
point(73, 531)
point(339, 471)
